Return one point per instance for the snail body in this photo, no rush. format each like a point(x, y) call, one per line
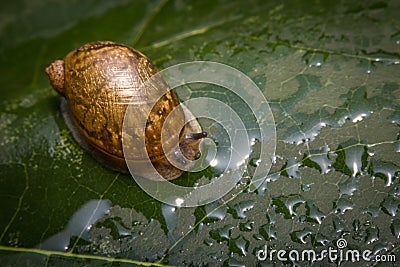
point(98, 81)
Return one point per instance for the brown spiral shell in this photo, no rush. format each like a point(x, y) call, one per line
point(98, 81)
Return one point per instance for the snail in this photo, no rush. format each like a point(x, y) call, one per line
point(98, 81)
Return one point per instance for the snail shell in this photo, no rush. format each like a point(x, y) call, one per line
point(98, 81)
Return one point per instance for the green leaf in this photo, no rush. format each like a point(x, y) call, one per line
point(330, 71)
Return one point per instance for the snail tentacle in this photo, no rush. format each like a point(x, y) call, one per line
point(196, 136)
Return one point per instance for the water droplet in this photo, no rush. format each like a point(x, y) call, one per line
point(390, 205)
point(359, 117)
point(287, 205)
point(255, 162)
point(240, 208)
point(396, 38)
point(78, 225)
point(269, 232)
point(170, 217)
point(223, 234)
point(215, 210)
point(397, 147)
point(214, 162)
point(313, 213)
point(354, 159)
point(208, 242)
point(122, 231)
point(395, 228)
point(395, 191)
point(257, 237)
point(306, 187)
point(342, 205)
point(372, 235)
point(374, 211)
point(271, 217)
point(349, 186)
point(367, 66)
point(351, 158)
point(356, 225)
point(246, 226)
point(384, 57)
point(308, 132)
point(239, 245)
point(235, 263)
point(338, 227)
point(301, 235)
point(273, 177)
point(263, 187)
point(314, 59)
point(319, 160)
point(179, 201)
point(292, 168)
point(321, 240)
point(385, 170)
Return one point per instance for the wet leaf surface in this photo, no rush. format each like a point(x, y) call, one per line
point(330, 71)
